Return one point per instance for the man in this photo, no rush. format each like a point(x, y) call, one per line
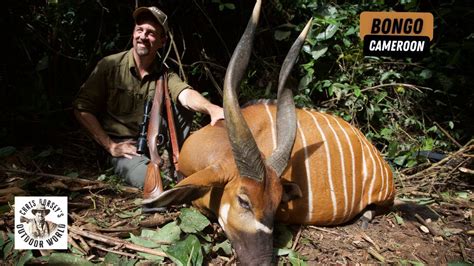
point(39, 227)
point(110, 103)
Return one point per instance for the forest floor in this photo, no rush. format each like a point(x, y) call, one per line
point(431, 223)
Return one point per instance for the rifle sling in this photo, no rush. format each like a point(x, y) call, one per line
point(171, 124)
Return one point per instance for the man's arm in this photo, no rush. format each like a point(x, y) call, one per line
point(91, 124)
point(193, 100)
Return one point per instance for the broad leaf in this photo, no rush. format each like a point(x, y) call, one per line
point(192, 221)
point(328, 33)
point(143, 242)
point(225, 246)
point(151, 257)
point(318, 53)
point(186, 252)
point(25, 257)
point(67, 259)
point(168, 233)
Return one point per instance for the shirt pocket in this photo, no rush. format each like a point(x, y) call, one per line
point(121, 101)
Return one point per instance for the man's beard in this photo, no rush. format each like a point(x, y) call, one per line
point(142, 51)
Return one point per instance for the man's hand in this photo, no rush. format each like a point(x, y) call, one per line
point(193, 100)
point(216, 113)
point(127, 149)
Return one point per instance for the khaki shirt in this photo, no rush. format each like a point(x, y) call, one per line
point(116, 95)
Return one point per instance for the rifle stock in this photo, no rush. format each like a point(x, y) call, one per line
point(153, 185)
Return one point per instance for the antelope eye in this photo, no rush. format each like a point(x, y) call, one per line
point(244, 203)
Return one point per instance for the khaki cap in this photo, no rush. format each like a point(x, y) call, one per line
point(157, 13)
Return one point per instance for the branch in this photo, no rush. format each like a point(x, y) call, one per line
point(415, 87)
point(116, 241)
point(448, 135)
point(88, 184)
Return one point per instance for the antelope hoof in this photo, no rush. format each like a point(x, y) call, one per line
point(366, 218)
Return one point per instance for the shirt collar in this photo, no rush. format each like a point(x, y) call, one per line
point(155, 68)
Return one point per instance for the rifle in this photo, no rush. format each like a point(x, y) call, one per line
point(153, 185)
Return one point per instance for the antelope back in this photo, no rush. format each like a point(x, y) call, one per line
point(338, 170)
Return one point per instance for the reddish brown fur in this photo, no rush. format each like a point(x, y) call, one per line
point(209, 149)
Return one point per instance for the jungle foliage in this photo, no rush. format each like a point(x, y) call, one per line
point(404, 106)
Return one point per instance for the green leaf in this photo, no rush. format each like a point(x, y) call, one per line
point(224, 246)
point(8, 249)
point(297, 261)
point(458, 263)
point(462, 194)
point(411, 163)
point(398, 219)
point(168, 233)
point(125, 214)
point(7, 151)
point(283, 236)
point(351, 31)
point(151, 257)
point(25, 257)
point(186, 252)
point(280, 35)
point(451, 124)
point(130, 262)
point(318, 53)
point(400, 160)
point(389, 74)
point(432, 129)
point(386, 133)
point(67, 259)
point(328, 33)
point(426, 74)
point(428, 144)
point(143, 242)
point(45, 153)
point(112, 259)
point(192, 221)
point(293, 256)
point(283, 251)
point(102, 177)
point(357, 91)
point(411, 262)
point(229, 6)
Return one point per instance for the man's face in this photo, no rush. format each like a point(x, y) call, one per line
point(40, 216)
point(148, 37)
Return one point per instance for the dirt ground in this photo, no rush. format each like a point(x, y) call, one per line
point(425, 228)
point(386, 241)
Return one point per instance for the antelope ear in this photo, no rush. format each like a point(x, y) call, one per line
point(291, 191)
point(178, 195)
point(189, 189)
